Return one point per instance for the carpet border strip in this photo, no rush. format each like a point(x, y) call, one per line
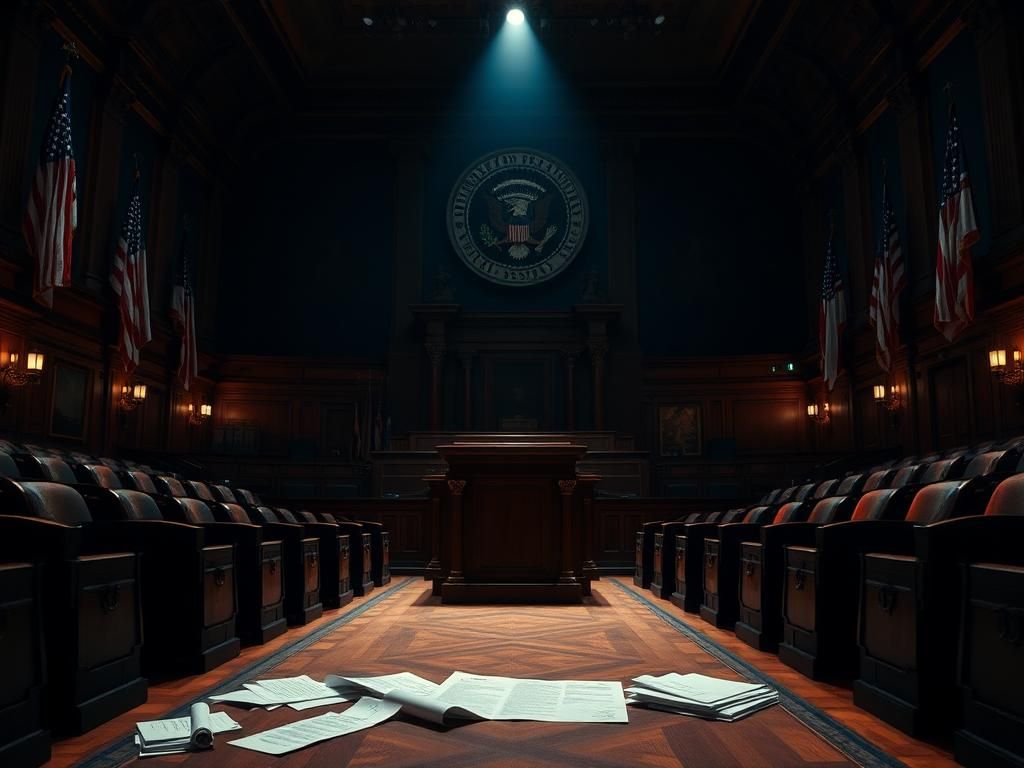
point(843, 738)
point(123, 750)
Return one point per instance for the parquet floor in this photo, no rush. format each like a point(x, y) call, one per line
point(613, 637)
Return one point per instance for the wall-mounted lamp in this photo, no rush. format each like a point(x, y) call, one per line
point(819, 414)
point(131, 396)
point(13, 375)
point(205, 412)
point(891, 401)
point(1013, 374)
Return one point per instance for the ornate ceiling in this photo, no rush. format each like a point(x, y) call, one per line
point(238, 73)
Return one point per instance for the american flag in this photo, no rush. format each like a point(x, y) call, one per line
point(958, 231)
point(518, 233)
point(52, 214)
point(184, 316)
point(888, 282)
point(131, 284)
point(831, 318)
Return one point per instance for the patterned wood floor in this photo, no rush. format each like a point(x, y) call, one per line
point(613, 637)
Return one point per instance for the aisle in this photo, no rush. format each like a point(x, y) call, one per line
point(614, 636)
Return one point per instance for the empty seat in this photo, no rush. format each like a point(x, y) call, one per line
point(24, 740)
point(302, 562)
point(851, 485)
point(722, 564)
point(879, 479)
point(335, 550)
point(93, 619)
point(225, 494)
point(689, 550)
point(135, 480)
point(97, 474)
point(825, 489)
point(910, 604)
point(189, 591)
point(803, 493)
point(820, 585)
point(258, 565)
point(994, 463)
point(944, 469)
point(907, 475)
point(360, 551)
point(663, 575)
point(759, 621)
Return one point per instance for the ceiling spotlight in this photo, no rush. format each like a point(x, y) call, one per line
point(368, 21)
point(659, 19)
point(515, 17)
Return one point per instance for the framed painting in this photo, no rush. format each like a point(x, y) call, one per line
point(679, 431)
point(70, 401)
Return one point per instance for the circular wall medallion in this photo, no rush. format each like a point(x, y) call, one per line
point(517, 216)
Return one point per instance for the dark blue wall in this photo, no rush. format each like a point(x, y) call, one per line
point(718, 250)
point(309, 249)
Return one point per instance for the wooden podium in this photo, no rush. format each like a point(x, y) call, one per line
point(513, 523)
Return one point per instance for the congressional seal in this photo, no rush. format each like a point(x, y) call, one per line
point(517, 216)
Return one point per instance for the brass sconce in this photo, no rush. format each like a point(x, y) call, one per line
point(131, 396)
point(1011, 375)
point(201, 416)
point(819, 414)
point(891, 401)
point(13, 375)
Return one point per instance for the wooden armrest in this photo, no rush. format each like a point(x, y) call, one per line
point(876, 535)
point(143, 535)
point(788, 534)
point(37, 539)
point(966, 539)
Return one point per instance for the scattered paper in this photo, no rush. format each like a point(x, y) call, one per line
point(365, 713)
point(325, 702)
point(487, 697)
point(182, 734)
point(381, 685)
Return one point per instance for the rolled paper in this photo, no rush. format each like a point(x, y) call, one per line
point(202, 732)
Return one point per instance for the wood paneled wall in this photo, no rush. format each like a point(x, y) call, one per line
point(79, 335)
point(949, 395)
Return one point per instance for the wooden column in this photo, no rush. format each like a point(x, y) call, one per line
point(434, 572)
point(597, 354)
point(21, 30)
point(998, 29)
point(570, 390)
point(455, 488)
point(567, 487)
point(909, 102)
point(164, 246)
point(436, 354)
point(466, 357)
point(403, 352)
point(99, 196)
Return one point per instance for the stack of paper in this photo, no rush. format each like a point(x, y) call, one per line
point(701, 696)
point(182, 734)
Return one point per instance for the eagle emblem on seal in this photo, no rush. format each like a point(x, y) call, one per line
point(517, 216)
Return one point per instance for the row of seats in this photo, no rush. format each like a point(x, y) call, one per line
point(130, 574)
point(878, 577)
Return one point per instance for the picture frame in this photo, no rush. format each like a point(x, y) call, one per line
point(679, 430)
point(70, 402)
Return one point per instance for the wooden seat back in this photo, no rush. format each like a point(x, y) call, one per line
point(942, 501)
point(1008, 497)
point(944, 469)
point(834, 509)
point(878, 479)
point(43, 499)
point(793, 512)
point(884, 504)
